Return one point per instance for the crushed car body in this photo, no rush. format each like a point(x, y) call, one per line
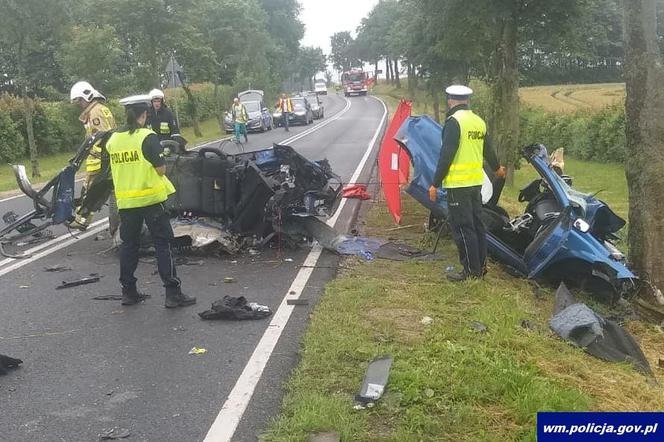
point(563, 234)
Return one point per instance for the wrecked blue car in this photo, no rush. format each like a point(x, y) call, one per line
point(563, 234)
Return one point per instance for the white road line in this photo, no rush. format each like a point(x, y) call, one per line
point(23, 262)
point(58, 243)
point(231, 413)
point(50, 243)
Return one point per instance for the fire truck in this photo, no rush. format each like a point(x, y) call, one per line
point(354, 82)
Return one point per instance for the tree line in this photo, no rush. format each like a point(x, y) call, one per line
point(123, 46)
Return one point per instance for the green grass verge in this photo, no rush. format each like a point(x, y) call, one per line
point(450, 382)
point(52, 164)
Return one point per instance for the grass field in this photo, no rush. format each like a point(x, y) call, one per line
point(50, 165)
point(570, 98)
point(450, 382)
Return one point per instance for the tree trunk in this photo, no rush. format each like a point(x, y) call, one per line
point(505, 95)
point(29, 128)
point(435, 100)
point(397, 81)
point(388, 70)
point(194, 110)
point(219, 106)
point(376, 71)
point(644, 107)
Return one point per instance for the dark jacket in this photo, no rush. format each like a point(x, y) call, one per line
point(163, 123)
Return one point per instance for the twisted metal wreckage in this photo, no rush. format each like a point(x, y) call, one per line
point(223, 201)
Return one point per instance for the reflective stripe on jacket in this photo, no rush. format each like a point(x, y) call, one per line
point(136, 181)
point(466, 169)
point(96, 118)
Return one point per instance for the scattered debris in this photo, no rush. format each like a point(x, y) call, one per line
point(429, 393)
point(526, 324)
point(292, 292)
point(197, 351)
point(479, 327)
point(229, 279)
point(297, 301)
point(114, 434)
point(108, 298)
point(254, 252)
point(102, 236)
point(184, 261)
point(179, 328)
point(289, 260)
point(8, 362)
point(328, 436)
point(82, 281)
point(57, 268)
point(599, 337)
point(427, 320)
point(357, 191)
point(375, 380)
point(231, 307)
point(24, 286)
point(206, 233)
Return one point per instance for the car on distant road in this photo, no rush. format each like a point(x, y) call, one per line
point(260, 118)
point(320, 87)
point(301, 114)
point(317, 107)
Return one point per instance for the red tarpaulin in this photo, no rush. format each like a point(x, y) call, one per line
point(394, 162)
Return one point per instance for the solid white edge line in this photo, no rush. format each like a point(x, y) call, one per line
point(224, 426)
point(23, 262)
point(51, 242)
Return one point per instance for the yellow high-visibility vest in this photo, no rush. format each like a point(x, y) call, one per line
point(96, 118)
point(466, 169)
point(136, 182)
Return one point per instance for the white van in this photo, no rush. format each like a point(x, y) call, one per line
point(320, 87)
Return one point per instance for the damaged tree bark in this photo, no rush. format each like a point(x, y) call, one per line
point(644, 107)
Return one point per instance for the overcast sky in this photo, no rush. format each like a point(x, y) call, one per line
point(322, 18)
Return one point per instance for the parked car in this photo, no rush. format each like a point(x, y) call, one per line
point(301, 114)
point(320, 87)
point(317, 107)
point(563, 234)
point(260, 118)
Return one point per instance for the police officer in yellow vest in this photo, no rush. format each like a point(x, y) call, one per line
point(460, 171)
point(96, 117)
point(141, 188)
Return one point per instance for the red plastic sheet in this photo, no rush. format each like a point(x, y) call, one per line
point(394, 162)
point(358, 191)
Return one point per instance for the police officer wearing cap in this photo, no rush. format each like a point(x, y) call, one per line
point(460, 171)
point(141, 188)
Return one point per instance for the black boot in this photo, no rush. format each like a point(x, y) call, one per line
point(175, 298)
point(131, 296)
point(457, 277)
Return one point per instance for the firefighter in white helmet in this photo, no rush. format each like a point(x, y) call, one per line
point(96, 117)
point(161, 119)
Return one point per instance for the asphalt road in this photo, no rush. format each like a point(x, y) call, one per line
point(92, 365)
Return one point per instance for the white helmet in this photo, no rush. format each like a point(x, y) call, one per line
point(84, 90)
point(156, 93)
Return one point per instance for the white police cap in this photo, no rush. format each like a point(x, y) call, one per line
point(458, 92)
point(136, 100)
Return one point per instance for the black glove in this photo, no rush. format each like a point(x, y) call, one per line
point(7, 362)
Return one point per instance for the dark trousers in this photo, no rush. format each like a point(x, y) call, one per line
point(284, 118)
point(131, 224)
point(468, 231)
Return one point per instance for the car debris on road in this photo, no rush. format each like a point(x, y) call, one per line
point(230, 307)
point(81, 281)
point(7, 362)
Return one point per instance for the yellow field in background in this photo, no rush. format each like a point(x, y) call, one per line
point(569, 98)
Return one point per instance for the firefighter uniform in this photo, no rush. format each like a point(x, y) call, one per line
point(465, 147)
point(96, 118)
point(141, 190)
point(163, 123)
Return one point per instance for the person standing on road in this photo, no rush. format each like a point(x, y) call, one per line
point(240, 119)
point(141, 187)
point(161, 119)
point(96, 117)
point(460, 171)
point(285, 105)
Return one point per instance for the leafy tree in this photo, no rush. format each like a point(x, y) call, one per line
point(344, 53)
point(310, 61)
